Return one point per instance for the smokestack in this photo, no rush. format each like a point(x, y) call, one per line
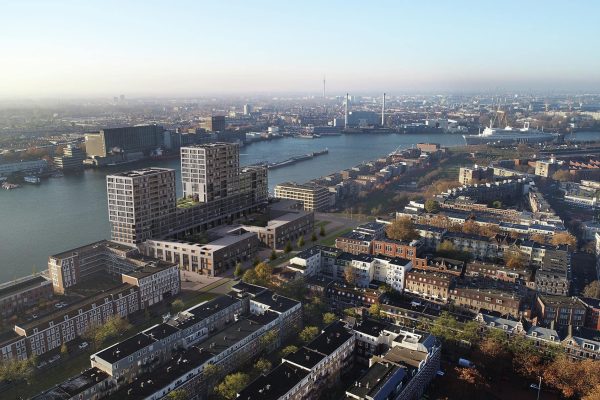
point(383, 112)
point(346, 113)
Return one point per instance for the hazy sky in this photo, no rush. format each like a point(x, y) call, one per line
point(105, 48)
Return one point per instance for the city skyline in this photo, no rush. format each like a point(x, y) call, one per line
point(70, 49)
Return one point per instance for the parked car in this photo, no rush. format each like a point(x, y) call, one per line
point(54, 359)
point(534, 386)
point(463, 362)
point(83, 345)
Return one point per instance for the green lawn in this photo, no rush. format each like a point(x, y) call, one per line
point(329, 240)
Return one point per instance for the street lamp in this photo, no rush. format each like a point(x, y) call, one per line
point(539, 388)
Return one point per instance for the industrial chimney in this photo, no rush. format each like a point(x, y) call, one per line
point(383, 112)
point(346, 113)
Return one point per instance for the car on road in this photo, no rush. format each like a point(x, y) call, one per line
point(42, 364)
point(54, 359)
point(83, 345)
point(534, 386)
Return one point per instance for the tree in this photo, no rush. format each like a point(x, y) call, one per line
point(288, 350)
point(470, 332)
point(64, 349)
point(177, 305)
point(474, 381)
point(375, 310)
point(322, 230)
point(351, 312)
point(239, 271)
point(497, 204)
point(288, 247)
point(112, 327)
point(300, 242)
point(561, 238)
point(432, 206)
point(269, 338)
point(593, 394)
point(592, 290)
point(16, 370)
point(273, 255)
point(262, 366)
point(514, 258)
point(562, 175)
point(211, 371)
point(264, 272)
point(470, 227)
point(232, 385)
point(255, 261)
point(295, 289)
point(313, 237)
point(308, 333)
point(329, 318)
point(445, 327)
point(402, 229)
point(349, 275)
point(538, 238)
point(179, 394)
point(250, 276)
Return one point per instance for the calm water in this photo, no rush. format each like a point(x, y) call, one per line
point(59, 214)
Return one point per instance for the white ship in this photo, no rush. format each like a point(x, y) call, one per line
point(510, 135)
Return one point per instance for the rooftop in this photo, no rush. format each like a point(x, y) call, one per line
point(100, 244)
point(248, 288)
point(276, 303)
point(274, 385)
point(13, 287)
point(125, 348)
point(376, 379)
point(72, 387)
point(353, 235)
point(149, 383)
point(331, 338)
point(305, 358)
point(369, 327)
point(142, 172)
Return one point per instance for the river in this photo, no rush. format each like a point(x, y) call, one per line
point(59, 214)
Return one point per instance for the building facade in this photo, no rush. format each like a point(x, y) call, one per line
point(313, 197)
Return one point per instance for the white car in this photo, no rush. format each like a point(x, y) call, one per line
point(83, 345)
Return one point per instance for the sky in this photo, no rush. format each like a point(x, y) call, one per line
point(52, 48)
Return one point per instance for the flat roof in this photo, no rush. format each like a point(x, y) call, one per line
point(151, 382)
point(332, 337)
point(87, 301)
point(154, 266)
point(275, 302)
point(125, 348)
point(376, 377)
point(74, 386)
point(274, 385)
point(304, 357)
point(161, 331)
point(211, 307)
point(242, 286)
point(369, 327)
point(11, 288)
point(223, 340)
point(101, 243)
point(404, 356)
point(142, 172)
